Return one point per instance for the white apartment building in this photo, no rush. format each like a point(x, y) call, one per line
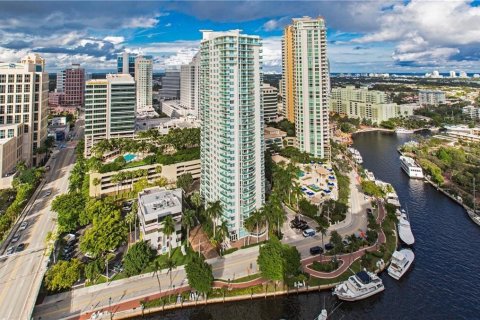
point(306, 82)
point(143, 82)
point(24, 100)
point(154, 205)
point(189, 84)
point(471, 111)
point(109, 109)
point(232, 145)
point(366, 104)
point(270, 102)
point(431, 97)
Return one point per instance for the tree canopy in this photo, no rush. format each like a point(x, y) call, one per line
point(137, 258)
point(199, 274)
point(107, 233)
point(278, 261)
point(63, 275)
point(70, 208)
point(185, 182)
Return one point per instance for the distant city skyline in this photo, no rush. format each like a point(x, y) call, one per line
point(367, 36)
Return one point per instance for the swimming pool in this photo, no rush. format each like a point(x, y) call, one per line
point(129, 157)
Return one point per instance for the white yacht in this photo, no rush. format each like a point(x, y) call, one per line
point(323, 315)
point(411, 168)
point(403, 131)
point(401, 262)
point(360, 286)
point(404, 230)
point(356, 155)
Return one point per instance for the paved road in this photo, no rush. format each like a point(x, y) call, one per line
point(238, 264)
point(21, 274)
point(356, 220)
point(89, 299)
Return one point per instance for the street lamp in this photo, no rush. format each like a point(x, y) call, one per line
point(109, 307)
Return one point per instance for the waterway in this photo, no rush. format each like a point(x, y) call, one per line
point(444, 282)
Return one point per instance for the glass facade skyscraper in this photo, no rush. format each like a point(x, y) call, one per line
point(232, 144)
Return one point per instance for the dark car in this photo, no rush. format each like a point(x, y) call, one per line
point(20, 247)
point(316, 250)
point(369, 211)
point(304, 227)
point(328, 246)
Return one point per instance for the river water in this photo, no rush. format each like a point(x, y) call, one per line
point(443, 283)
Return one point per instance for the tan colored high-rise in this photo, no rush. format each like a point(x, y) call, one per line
point(23, 105)
point(306, 82)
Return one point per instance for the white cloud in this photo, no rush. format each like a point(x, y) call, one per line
point(141, 22)
point(429, 32)
point(114, 39)
point(275, 24)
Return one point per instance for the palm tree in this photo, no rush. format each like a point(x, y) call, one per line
point(157, 267)
point(214, 211)
point(188, 221)
point(222, 234)
point(130, 218)
point(196, 201)
point(256, 219)
point(168, 229)
point(323, 231)
point(169, 264)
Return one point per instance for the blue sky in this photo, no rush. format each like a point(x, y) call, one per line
point(363, 36)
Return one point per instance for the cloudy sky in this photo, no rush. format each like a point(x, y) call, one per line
point(363, 36)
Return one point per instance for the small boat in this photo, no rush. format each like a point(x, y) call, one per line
point(403, 131)
point(401, 262)
point(405, 231)
point(357, 157)
point(323, 315)
point(411, 168)
point(362, 285)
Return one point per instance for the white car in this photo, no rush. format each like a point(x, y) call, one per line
point(23, 226)
point(48, 193)
point(15, 238)
point(10, 250)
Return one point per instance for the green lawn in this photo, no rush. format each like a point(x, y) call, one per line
point(355, 267)
point(176, 256)
point(243, 279)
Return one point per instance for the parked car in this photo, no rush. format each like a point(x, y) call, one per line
point(15, 238)
point(48, 193)
point(304, 227)
point(308, 233)
point(10, 250)
point(316, 250)
point(23, 226)
point(329, 246)
point(369, 211)
point(20, 247)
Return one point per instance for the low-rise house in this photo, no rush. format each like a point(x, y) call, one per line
point(154, 205)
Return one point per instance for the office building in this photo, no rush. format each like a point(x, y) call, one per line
point(126, 63)
point(24, 100)
point(74, 86)
point(365, 104)
point(269, 102)
point(170, 84)
point(232, 144)
point(154, 205)
point(431, 97)
point(109, 109)
point(60, 81)
point(306, 82)
point(143, 82)
point(189, 85)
